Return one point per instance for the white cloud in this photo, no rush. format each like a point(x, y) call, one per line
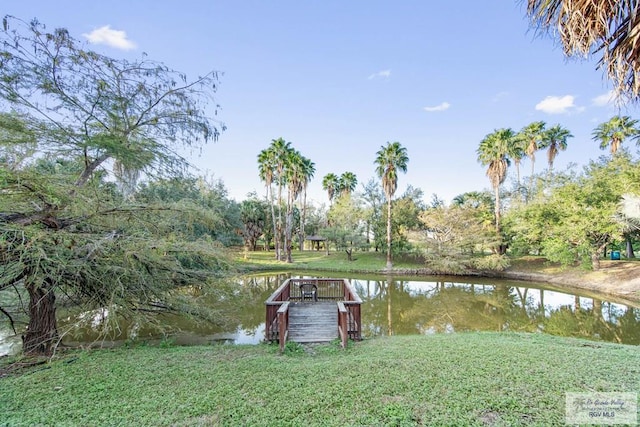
point(605, 99)
point(114, 38)
point(384, 74)
point(557, 105)
point(440, 107)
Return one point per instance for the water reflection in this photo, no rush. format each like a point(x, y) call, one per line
point(391, 306)
point(402, 307)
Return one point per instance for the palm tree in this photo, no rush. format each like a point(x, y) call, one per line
point(331, 184)
point(493, 152)
point(613, 133)
point(272, 162)
point(608, 27)
point(555, 140)
point(308, 170)
point(348, 182)
point(472, 199)
point(390, 160)
point(294, 177)
point(517, 153)
point(266, 166)
point(281, 150)
point(532, 136)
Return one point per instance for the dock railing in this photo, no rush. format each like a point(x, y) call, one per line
point(339, 290)
point(273, 304)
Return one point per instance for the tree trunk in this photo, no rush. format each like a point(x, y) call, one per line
point(389, 263)
point(280, 244)
point(42, 333)
point(595, 255)
point(630, 253)
point(595, 260)
point(501, 249)
point(288, 235)
point(303, 218)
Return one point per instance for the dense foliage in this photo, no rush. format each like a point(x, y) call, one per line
point(79, 130)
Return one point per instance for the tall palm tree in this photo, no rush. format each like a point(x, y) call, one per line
point(281, 150)
point(517, 153)
point(390, 160)
point(532, 136)
point(607, 27)
point(492, 153)
point(555, 140)
point(348, 182)
point(331, 184)
point(266, 166)
point(294, 177)
point(308, 170)
point(613, 133)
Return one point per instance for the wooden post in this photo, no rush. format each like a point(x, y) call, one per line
point(283, 324)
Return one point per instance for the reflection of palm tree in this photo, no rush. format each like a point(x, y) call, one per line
point(630, 326)
point(389, 321)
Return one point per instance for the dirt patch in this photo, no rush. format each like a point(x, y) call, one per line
point(489, 418)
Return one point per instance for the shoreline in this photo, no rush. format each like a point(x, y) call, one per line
point(619, 279)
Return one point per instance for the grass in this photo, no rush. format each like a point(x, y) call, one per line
point(364, 262)
point(454, 379)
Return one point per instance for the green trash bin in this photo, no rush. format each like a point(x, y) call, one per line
point(615, 255)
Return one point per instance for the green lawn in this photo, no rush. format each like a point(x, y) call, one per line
point(453, 379)
point(372, 262)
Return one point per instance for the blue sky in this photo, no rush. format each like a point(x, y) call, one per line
point(341, 78)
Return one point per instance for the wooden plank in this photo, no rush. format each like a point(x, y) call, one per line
point(313, 322)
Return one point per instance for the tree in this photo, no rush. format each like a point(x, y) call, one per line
point(492, 153)
point(628, 215)
point(281, 150)
point(346, 219)
point(452, 235)
point(517, 153)
point(331, 184)
point(88, 110)
point(193, 193)
point(576, 221)
point(266, 166)
point(599, 26)
point(555, 140)
point(613, 133)
point(390, 160)
point(297, 170)
point(308, 170)
point(272, 163)
point(374, 196)
point(532, 136)
point(482, 204)
point(348, 183)
point(280, 163)
point(253, 214)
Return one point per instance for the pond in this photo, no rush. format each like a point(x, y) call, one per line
point(391, 306)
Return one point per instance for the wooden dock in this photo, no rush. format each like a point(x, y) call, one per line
point(313, 321)
point(313, 310)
